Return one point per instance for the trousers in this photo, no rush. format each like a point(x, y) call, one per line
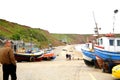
point(9, 69)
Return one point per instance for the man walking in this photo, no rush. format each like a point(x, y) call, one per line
point(8, 62)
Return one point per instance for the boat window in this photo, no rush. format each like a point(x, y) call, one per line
point(111, 42)
point(101, 41)
point(118, 42)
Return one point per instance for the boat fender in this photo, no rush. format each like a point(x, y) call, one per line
point(32, 59)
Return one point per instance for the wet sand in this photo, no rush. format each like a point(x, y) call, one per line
point(57, 69)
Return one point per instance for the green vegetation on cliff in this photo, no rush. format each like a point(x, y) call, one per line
point(14, 31)
point(70, 38)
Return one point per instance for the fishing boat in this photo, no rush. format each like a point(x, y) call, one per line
point(48, 55)
point(108, 48)
point(33, 56)
point(107, 51)
point(88, 54)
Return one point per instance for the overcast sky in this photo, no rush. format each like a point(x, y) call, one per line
point(63, 16)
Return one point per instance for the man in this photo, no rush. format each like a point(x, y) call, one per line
point(8, 62)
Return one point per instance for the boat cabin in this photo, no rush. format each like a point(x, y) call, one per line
point(109, 43)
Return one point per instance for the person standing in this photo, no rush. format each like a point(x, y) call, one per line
point(8, 61)
point(67, 56)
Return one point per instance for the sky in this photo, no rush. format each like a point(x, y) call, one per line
point(63, 16)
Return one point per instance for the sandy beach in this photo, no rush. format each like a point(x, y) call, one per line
point(57, 69)
point(60, 68)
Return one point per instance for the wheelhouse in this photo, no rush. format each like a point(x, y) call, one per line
point(109, 43)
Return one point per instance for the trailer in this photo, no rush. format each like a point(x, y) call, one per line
point(106, 65)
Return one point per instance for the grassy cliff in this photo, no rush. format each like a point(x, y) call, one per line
point(14, 31)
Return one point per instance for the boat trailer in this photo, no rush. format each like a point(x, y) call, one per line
point(106, 65)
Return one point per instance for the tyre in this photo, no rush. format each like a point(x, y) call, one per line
point(32, 59)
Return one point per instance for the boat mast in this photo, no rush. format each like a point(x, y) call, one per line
point(96, 28)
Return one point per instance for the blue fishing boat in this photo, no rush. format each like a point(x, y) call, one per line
point(88, 54)
point(107, 51)
point(108, 48)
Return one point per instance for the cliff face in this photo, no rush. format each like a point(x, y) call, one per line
point(14, 31)
point(74, 38)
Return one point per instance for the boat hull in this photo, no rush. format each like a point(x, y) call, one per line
point(48, 56)
point(88, 57)
point(106, 59)
point(28, 56)
point(107, 55)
